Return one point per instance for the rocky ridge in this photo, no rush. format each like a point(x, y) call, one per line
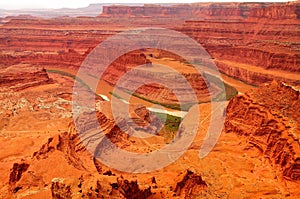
point(266, 117)
point(22, 76)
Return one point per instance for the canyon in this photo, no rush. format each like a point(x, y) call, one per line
point(50, 146)
point(262, 43)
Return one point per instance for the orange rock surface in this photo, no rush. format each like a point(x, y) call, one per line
point(44, 154)
point(268, 119)
point(22, 76)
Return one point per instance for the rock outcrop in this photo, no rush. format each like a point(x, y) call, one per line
point(20, 77)
point(16, 174)
point(86, 187)
point(17, 171)
point(131, 190)
point(123, 64)
point(67, 143)
point(189, 185)
point(59, 190)
point(268, 118)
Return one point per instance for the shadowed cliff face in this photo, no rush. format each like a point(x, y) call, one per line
point(268, 118)
point(189, 185)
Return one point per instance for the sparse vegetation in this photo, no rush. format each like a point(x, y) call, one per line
point(115, 95)
point(172, 122)
point(93, 76)
point(171, 125)
point(228, 92)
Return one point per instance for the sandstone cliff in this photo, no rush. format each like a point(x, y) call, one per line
point(207, 10)
point(277, 11)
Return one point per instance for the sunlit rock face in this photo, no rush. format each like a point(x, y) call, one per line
point(268, 118)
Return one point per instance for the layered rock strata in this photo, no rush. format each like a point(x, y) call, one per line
point(268, 118)
point(22, 76)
